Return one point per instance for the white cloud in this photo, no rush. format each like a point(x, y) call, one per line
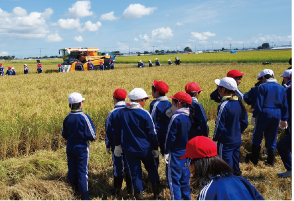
point(53, 38)
point(144, 37)
point(79, 38)
point(3, 53)
point(19, 12)
point(202, 36)
point(4, 13)
point(68, 23)
point(179, 24)
point(229, 38)
point(158, 35)
point(47, 13)
point(108, 16)
point(136, 39)
point(137, 11)
point(80, 9)
point(89, 26)
point(167, 15)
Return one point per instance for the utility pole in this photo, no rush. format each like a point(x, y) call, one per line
point(153, 49)
point(243, 46)
point(230, 46)
point(176, 48)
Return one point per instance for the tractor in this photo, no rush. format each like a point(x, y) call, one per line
point(82, 55)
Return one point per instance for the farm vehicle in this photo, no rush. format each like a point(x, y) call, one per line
point(82, 55)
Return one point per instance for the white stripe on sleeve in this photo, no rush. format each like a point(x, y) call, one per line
point(219, 116)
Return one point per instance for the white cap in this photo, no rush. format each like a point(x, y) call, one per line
point(156, 59)
point(258, 76)
point(137, 94)
point(12, 68)
point(149, 60)
point(168, 60)
point(75, 98)
point(227, 82)
point(25, 65)
point(266, 72)
point(287, 73)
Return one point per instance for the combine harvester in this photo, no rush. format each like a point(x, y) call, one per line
point(73, 55)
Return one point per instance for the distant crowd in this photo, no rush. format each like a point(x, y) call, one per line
point(157, 63)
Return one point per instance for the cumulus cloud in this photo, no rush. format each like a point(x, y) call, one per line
point(158, 35)
point(79, 38)
point(202, 36)
point(47, 13)
point(3, 53)
point(19, 24)
point(179, 24)
point(80, 9)
point(137, 11)
point(136, 39)
point(108, 16)
point(89, 26)
point(68, 23)
point(53, 38)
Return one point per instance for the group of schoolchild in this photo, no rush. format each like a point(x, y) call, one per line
point(90, 66)
point(11, 70)
point(157, 63)
point(179, 128)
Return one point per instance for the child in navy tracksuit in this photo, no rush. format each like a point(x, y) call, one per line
point(120, 164)
point(1, 70)
point(78, 130)
point(232, 120)
point(157, 63)
point(251, 96)
point(90, 65)
point(112, 64)
point(200, 120)
point(13, 71)
point(287, 75)
point(59, 68)
point(213, 175)
point(139, 141)
point(237, 77)
point(179, 132)
point(141, 64)
point(271, 107)
point(101, 66)
point(284, 146)
point(158, 109)
point(9, 71)
point(150, 63)
point(26, 70)
point(79, 67)
point(170, 62)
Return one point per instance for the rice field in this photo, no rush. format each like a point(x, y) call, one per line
point(33, 107)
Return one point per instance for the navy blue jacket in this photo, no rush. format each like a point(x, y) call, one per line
point(2, 71)
point(8, 72)
point(230, 123)
point(170, 63)
point(142, 65)
point(229, 188)
point(40, 70)
point(79, 67)
point(157, 110)
point(288, 84)
point(271, 95)
point(289, 101)
point(13, 73)
point(200, 122)
point(138, 129)
point(101, 67)
point(78, 128)
point(90, 66)
point(26, 71)
point(60, 69)
point(216, 97)
point(157, 63)
point(179, 132)
point(109, 138)
point(251, 96)
point(150, 64)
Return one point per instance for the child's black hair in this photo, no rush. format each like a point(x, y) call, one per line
point(268, 76)
point(258, 83)
point(74, 106)
point(118, 100)
point(192, 94)
point(191, 109)
point(154, 90)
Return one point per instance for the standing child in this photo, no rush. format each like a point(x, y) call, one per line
point(112, 64)
point(39, 70)
point(13, 71)
point(157, 63)
point(237, 77)
point(287, 77)
point(26, 70)
point(158, 109)
point(9, 71)
point(251, 96)
point(270, 108)
point(139, 141)
point(232, 120)
point(120, 164)
point(78, 130)
point(59, 68)
point(200, 120)
point(170, 62)
point(1, 70)
point(101, 65)
point(179, 132)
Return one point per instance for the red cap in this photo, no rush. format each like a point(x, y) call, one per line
point(9, 67)
point(0, 64)
point(59, 64)
point(192, 87)
point(101, 62)
point(234, 73)
point(183, 97)
point(77, 63)
point(120, 94)
point(160, 86)
point(200, 147)
point(111, 60)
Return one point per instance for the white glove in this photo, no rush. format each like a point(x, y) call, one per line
point(155, 153)
point(166, 158)
point(118, 151)
point(253, 121)
point(108, 150)
point(283, 125)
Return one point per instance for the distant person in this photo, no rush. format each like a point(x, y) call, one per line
point(232, 120)
point(1, 70)
point(150, 63)
point(26, 69)
point(290, 62)
point(200, 120)
point(214, 176)
point(170, 62)
point(59, 68)
point(40, 70)
point(38, 65)
point(141, 64)
point(13, 71)
point(78, 130)
point(101, 65)
point(9, 71)
point(79, 67)
point(270, 110)
point(237, 77)
point(287, 78)
point(157, 63)
point(112, 64)
point(251, 96)
point(90, 65)
point(177, 61)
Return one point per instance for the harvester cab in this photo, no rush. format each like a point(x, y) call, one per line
point(82, 55)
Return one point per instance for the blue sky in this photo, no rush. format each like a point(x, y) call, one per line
point(28, 25)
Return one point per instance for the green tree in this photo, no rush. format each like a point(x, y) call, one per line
point(187, 49)
point(265, 45)
point(157, 51)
